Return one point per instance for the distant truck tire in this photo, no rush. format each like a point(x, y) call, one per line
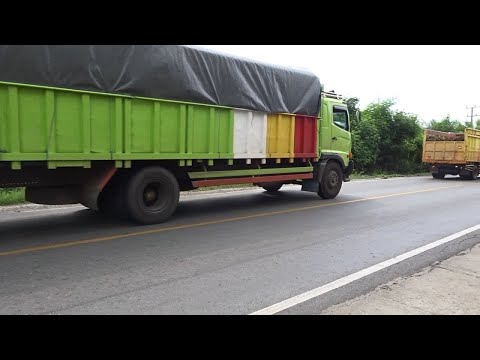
point(474, 174)
point(272, 187)
point(331, 182)
point(438, 176)
point(152, 195)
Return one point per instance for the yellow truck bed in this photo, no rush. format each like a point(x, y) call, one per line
point(449, 148)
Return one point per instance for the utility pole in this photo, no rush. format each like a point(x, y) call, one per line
point(471, 114)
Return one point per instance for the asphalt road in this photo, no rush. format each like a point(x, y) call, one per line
point(229, 253)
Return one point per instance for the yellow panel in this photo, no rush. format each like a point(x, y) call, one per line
point(428, 156)
point(444, 151)
point(472, 144)
point(448, 155)
point(280, 136)
point(450, 146)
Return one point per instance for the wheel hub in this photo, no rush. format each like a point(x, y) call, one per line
point(150, 196)
point(333, 180)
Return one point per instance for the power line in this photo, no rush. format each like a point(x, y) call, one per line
point(471, 113)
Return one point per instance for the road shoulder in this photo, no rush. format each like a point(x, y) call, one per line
point(450, 287)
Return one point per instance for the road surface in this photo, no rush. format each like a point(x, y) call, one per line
point(236, 252)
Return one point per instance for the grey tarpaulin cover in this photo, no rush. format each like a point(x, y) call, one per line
point(171, 72)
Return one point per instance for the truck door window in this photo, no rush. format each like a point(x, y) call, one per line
point(340, 117)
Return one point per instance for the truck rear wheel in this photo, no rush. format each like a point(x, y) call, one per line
point(272, 187)
point(474, 174)
point(438, 176)
point(331, 182)
point(152, 195)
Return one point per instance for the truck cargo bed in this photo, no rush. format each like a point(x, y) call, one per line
point(50, 124)
point(451, 148)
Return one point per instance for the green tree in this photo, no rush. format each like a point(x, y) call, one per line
point(385, 139)
point(352, 105)
point(448, 125)
point(365, 145)
point(407, 142)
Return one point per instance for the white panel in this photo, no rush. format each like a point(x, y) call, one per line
point(250, 134)
point(240, 135)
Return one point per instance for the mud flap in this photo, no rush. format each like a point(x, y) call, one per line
point(310, 186)
point(94, 187)
point(314, 184)
point(348, 171)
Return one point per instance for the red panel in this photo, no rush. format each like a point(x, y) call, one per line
point(251, 179)
point(306, 137)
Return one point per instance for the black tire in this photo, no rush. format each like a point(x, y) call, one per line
point(474, 174)
point(331, 182)
point(272, 187)
point(438, 176)
point(152, 195)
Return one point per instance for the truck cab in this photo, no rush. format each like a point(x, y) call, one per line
point(335, 139)
point(335, 163)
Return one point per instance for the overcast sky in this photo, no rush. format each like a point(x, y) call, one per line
point(430, 81)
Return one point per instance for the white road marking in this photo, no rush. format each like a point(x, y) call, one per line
point(286, 304)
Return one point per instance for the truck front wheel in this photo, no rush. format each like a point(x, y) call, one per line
point(331, 182)
point(438, 176)
point(152, 195)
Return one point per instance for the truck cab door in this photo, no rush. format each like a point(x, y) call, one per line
point(340, 135)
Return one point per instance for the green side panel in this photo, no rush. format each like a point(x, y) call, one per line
point(127, 127)
point(198, 127)
point(12, 119)
point(101, 118)
point(50, 121)
point(68, 122)
point(68, 163)
point(142, 126)
point(117, 126)
point(224, 133)
point(182, 131)
point(325, 129)
point(32, 122)
point(42, 123)
point(4, 145)
point(169, 138)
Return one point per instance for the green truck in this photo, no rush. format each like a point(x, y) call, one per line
point(124, 129)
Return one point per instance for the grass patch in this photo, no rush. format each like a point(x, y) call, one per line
point(358, 176)
point(12, 196)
